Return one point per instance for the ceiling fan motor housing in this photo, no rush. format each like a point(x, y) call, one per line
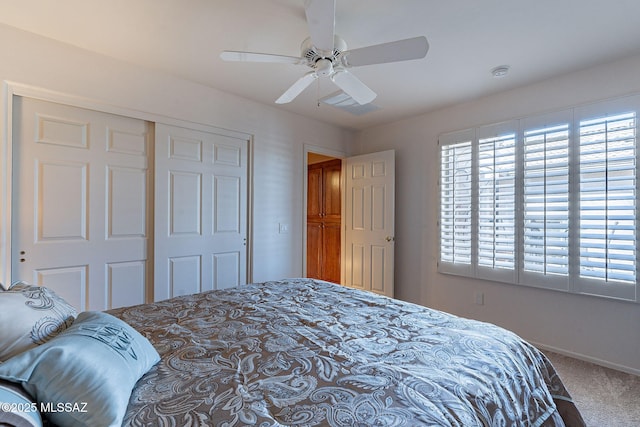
point(322, 61)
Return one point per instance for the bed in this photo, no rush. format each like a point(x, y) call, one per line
point(303, 352)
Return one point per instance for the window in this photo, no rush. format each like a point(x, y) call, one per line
point(496, 202)
point(455, 202)
point(608, 198)
point(545, 201)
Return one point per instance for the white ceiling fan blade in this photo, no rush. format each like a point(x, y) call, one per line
point(321, 22)
point(295, 90)
point(353, 87)
point(232, 55)
point(401, 50)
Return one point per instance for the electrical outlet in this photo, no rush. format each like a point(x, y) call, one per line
point(479, 298)
point(284, 228)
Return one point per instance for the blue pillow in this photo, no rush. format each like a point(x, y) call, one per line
point(19, 409)
point(84, 376)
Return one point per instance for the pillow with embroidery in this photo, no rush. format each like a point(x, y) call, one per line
point(31, 315)
point(92, 366)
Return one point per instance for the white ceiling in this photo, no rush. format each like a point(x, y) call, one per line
point(537, 38)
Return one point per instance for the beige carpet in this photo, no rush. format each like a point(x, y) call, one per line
point(605, 397)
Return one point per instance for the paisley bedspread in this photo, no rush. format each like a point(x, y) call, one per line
point(303, 352)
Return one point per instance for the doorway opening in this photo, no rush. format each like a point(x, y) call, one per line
point(367, 220)
point(324, 217)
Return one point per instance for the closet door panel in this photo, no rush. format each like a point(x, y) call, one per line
point(200, 211)
point(79, 198)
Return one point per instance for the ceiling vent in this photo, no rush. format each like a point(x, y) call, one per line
point(346, 103)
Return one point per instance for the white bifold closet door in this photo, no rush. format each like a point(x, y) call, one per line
point(200, 211)
point(80, 195)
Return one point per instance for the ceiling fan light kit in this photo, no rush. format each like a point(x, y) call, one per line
point(346, 103)
point(327, 55)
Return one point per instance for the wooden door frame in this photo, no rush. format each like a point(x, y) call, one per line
point(309, 148)
point(11, 89)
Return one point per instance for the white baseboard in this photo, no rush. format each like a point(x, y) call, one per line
point(585, 358)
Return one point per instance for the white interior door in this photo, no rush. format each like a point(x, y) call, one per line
point(79, 203)
point(370, 222)
point(200, 211)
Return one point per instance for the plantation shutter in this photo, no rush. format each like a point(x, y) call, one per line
point(496, 202)
point(496, 236)
point(546, 200)
point(607, 176)
point(456, 171)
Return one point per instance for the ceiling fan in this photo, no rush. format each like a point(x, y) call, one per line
point(327, 55)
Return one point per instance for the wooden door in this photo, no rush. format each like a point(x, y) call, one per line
point(369, 222)
point(79, 203)
point(332, 194)
point(331, 251)
point(315, 196)
point(324, 216)
point(200, 235)
point(315, 249)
